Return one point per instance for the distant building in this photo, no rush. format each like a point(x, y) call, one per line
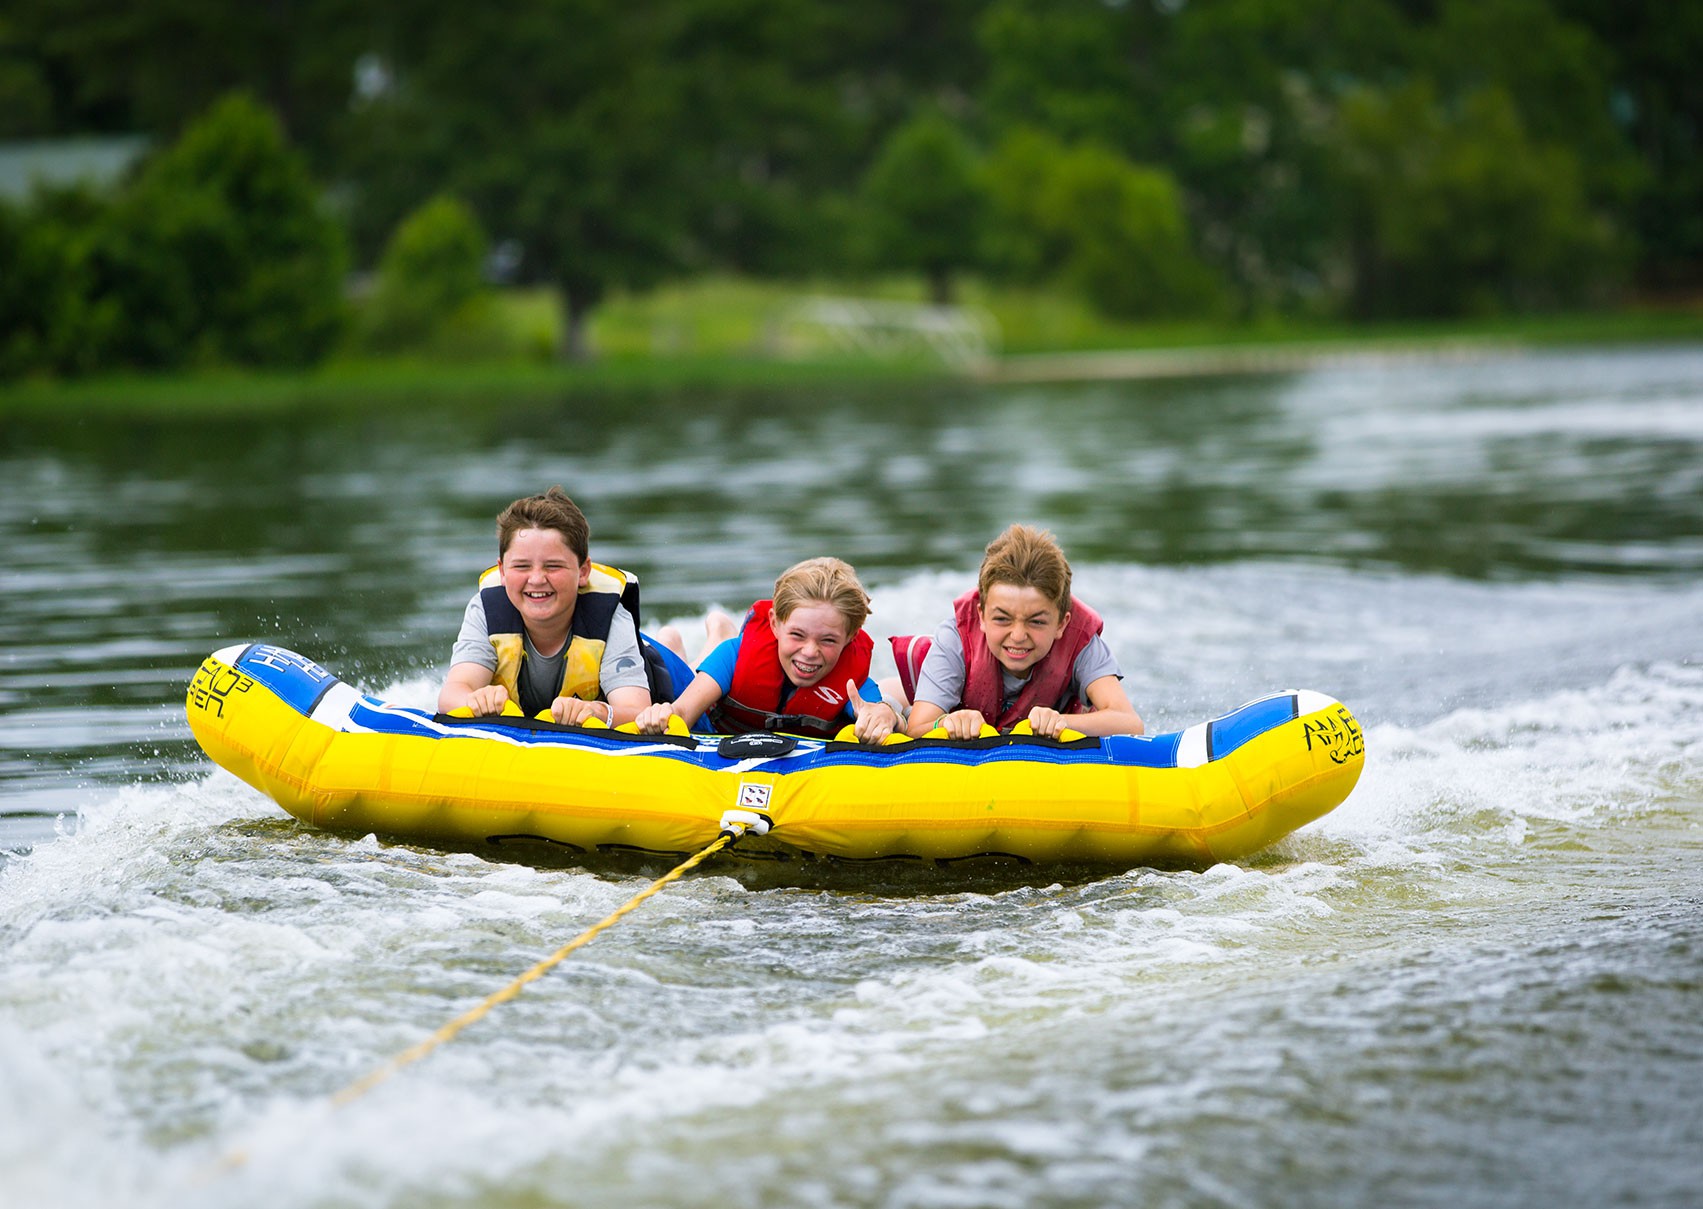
point(97, 161)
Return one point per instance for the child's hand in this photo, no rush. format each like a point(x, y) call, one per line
point(572, 711)
point(653, 719)
point(487, 700)
point(963, 724)
point(875, 719)
point(1046, 722)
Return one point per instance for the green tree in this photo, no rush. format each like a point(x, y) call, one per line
point(1019, 245)
point(1129, 243)
point(925, 200)
point(115, 66)
point(1458, 209)
point(1113, 230)
point(17, 285)
point(1555, 74)
point(26, 101)
point(1081, 70)
point(1655, 95)
point(555, 119)
point(221, 250)
point(618, 145)
point(1239, 100)
point(432, 268)
point(1229, 97)
point(1253, 84)
point(784, 103)
point(54, 317)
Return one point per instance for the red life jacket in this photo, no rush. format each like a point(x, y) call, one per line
point(760, 688)
point(984, 684)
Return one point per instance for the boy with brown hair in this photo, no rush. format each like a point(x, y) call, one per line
point(549, 629)
point(1019, 647)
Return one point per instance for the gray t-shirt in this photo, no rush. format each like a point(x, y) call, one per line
point(940, 680)
point(623, 664)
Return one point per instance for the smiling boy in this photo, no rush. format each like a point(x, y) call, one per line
point(548, 628)
point(1019, 647)
point(799, 663)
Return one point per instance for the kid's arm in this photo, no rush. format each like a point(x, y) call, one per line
point(1112, 714)
point(941, 678)
point(959, 724)
point(627, 703)
point(922, 719)
point(702, 693)
point(469, 684)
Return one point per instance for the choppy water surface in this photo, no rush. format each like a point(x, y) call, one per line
point(1476, 983)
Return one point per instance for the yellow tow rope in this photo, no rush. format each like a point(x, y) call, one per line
point(734, 824)
point(414, 1053)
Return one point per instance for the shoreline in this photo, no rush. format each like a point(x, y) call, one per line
point(378, 385)
point(1204, 360)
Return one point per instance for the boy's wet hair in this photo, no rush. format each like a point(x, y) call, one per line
point(552, 510)
point(1027, 557)
point(825, 580)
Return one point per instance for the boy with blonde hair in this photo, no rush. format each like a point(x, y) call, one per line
point(799, 662)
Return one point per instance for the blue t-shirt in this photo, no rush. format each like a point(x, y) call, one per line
point(718, 665)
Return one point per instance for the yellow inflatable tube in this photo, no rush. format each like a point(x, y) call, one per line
point(340, 760)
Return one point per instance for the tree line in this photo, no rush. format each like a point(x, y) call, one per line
point(1360, 158)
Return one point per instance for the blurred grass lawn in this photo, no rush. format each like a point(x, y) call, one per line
point(735, 317)
point(737, 332)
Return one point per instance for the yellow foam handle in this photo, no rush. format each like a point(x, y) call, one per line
point(509, 710)
point(589, 722)
point(848, 734)
point(940, 726)
point(1065, 733)
point(676, 726)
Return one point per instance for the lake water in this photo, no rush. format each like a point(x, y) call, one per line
point(1479, 982)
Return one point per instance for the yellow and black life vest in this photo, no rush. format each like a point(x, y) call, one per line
point(588, 631)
